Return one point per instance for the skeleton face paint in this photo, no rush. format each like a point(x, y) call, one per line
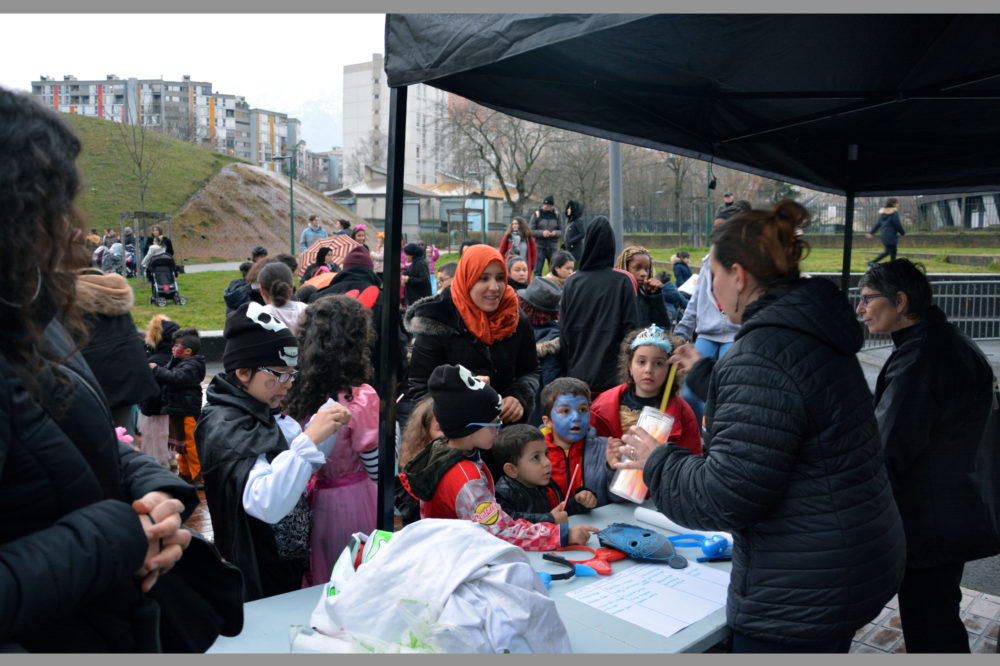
point(571, 417)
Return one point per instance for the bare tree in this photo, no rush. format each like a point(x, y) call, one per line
point(146, 149)
point(510, 148)
point(370, 151)
point(578, 169)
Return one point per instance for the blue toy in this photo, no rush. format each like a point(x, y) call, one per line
point(715, 546)
point(574, 569)
point(641, 544)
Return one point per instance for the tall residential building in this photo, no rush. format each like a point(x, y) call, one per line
point(322, 171)
point(366, 108)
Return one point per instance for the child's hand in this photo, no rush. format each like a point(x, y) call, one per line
point(614, 450)
point(653, 285)
point(152, 365)
point(580, 534)
point(586, 498)
point(559, 517)
point(327, 422)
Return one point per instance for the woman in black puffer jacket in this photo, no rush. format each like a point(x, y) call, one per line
point(793, 463)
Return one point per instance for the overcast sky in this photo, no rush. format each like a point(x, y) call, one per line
point(290, 63)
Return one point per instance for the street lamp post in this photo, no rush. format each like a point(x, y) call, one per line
point(291, 198)
point(657, 192)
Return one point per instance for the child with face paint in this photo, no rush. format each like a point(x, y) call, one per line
point(644, 371)
point(571, 441)
point(449, 476)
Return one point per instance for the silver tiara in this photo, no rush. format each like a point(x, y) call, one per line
point(653, 335)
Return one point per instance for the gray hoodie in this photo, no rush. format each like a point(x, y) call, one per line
point(702, 314)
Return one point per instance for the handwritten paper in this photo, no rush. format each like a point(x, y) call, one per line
point(657, 597)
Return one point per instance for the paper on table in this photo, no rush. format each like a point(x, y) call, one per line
point(657, 519)
point(657, 597)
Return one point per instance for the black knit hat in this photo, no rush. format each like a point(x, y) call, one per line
point(462, 401)
point(549, 200)
point(255, 338)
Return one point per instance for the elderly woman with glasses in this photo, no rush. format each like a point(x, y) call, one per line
point(256, 466)
point(932, 399)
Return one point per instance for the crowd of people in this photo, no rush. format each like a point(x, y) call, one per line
point(524, 371)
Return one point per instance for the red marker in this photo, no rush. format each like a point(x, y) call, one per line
point(569, 488)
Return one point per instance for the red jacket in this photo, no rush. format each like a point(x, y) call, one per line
point(532, 252)
point(606, 419)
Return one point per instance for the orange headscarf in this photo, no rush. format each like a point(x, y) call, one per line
point(486, 326)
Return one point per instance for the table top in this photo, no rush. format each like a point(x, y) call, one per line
point(267, 622)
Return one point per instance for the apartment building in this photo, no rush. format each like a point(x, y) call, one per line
point(323, 169)
point(366, 108)
point(186, 109)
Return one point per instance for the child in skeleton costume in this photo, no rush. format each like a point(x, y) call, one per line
point(255, 479)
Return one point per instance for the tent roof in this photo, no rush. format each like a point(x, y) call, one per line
point(778, 95)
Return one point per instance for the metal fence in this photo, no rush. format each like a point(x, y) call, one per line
point(972, 306)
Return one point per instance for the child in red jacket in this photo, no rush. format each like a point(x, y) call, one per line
point(644, 369)
point(451, 480)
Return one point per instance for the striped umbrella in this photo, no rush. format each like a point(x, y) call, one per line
point(339, 244)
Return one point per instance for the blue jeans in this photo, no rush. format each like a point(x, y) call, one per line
point(544, 253)
point(707, 349)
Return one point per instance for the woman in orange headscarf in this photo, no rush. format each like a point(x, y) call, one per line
point(475, 321)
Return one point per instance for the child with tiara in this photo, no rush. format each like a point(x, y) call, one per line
point(644, 370)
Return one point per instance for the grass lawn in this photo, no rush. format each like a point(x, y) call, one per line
point(205, 309)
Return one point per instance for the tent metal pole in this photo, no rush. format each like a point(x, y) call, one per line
point(388, 360)
point(852, 163)
point(615, 193)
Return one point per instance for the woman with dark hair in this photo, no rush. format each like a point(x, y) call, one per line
point(475, 322)
point(276, 289)
point(334, 339)
point(932, 400)
point(518, 242)
point(155, 233)
point(359, 235)
point(321, 265)
point(562, 265)
point(90, 525)
point(892, 228)
point(792, 462)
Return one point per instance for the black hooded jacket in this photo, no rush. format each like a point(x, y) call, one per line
point(576, 229)
point(233, 430)
point(418, 277)
point(597, 310)
point(932, 399)
point(792, 466)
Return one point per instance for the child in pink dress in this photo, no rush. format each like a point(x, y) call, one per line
point(334, 337)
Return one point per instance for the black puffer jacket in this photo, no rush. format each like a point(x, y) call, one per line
point(181, 380)
point(442, 337)
point(932, 398)
point(70, 540)
point(793, 468)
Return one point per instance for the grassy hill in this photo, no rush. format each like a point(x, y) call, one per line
point(221, 207)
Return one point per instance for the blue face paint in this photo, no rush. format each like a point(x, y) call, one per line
point(570, 417)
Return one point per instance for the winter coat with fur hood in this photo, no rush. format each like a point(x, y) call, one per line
point(115, 351)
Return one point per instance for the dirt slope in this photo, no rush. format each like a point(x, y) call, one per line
point(245, 206)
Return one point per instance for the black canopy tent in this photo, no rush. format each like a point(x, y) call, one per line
point(850, 104)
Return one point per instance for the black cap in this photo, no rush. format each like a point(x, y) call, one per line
point(255, 337)
point(462, 401)
point(259, 251)
point(549, 200)
point(728, 194)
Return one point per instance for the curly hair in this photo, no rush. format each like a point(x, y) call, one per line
point(417, 433)
point(39, 225)
point(335, 337)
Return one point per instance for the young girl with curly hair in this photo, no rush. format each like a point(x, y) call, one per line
point(334, 337)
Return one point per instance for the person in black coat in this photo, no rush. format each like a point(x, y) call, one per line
point(598, 308)
point(892, 228)
point(547, 228)
point(576, 229)
point(91, 528)
point(475, 322)
point(792, 462)
point(417, 280)
point(932, 399)
point(114, 350)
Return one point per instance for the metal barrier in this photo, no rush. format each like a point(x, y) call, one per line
point(972, 306)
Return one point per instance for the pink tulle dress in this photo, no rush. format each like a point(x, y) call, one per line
point(342, 497)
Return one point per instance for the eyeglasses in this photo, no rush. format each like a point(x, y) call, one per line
point(282, 377)
point(867, 299)
point(492, 424)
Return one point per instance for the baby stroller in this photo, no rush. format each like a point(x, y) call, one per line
point(130, 271)
point(112, 259)
point(162, 273)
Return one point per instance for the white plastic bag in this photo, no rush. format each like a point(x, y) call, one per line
point(439, 586)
